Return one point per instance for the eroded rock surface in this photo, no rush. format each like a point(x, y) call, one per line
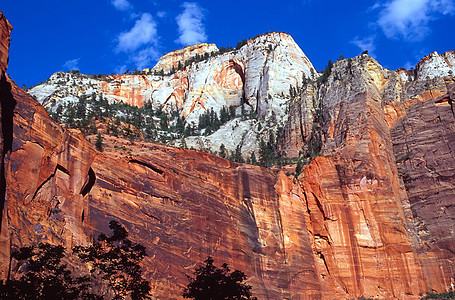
point(370, 214)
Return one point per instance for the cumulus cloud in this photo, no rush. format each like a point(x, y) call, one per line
point(71, 64)
point(365, 44)
point(144, 32)
point(144, 57)
point(120, 69)
point(409, 19)
point(191, 28)
point(140, 42)
point(121, 4)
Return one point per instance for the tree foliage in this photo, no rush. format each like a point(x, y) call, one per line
point(99, 142)
point(45, 276)
point(116, 259)
point(326, 72)
point(444, 295)
point(211, 282)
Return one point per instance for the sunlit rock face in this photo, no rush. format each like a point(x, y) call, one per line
point(371, 212)
point(172, 59)
point(437, 65)
point(258, 76)
point(7, 105)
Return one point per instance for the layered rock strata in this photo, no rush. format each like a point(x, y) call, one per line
point(258, 76)
point(370, 214)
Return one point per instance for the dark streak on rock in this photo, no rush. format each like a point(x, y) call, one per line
point(7, 107)
point(147, 165)
point(89, 183)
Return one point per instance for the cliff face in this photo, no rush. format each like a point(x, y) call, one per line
point(370, 214)
point(172, 59)
point(255, 80)
point(423, 143)
point(6, 110)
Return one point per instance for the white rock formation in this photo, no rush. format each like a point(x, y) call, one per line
point(258, 76)
point(436, 65)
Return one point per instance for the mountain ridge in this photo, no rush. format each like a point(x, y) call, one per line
point(214, 82)
point(369, 212)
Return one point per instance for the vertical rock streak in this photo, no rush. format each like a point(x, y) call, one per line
point(371, 213)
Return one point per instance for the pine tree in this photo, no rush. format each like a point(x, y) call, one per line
point(238, 154)
point(224, 115)
point(232, 112)
point(253, 159)
point(99, 142)
point(211, 282)
point(222, 151)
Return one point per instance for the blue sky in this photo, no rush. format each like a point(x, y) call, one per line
point(110, 36)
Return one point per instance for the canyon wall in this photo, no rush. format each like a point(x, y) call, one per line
point(370, 214)
point(255, 80)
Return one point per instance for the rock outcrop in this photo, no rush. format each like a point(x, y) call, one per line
point(172, 59)
point(255, 79)
point(371, 212)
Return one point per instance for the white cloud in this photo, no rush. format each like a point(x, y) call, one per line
point(143, 33)
point(161, 14)
point(409, 19)
point(144, 57)
point(120, 69)
point(191, 28)
point(121, 4)
point(71, 64)
point(140, 42)
point(365, 44)
point(408, 65)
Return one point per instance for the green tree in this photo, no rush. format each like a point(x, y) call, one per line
point(46, 276)
point(444, 295)
point(211, 282)
point(180, 125)
point(224, 115)
point(116, 259)
point(232, 112)
point(164, 122)
point(99, 142)
point(253, 159)
point(223, 153)
point(238, 154)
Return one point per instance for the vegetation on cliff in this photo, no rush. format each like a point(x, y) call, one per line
point(211, 282)
point(114, 264)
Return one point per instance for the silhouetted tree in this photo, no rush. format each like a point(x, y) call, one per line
point(117, 259)
point(45, 277)
point(211, 282)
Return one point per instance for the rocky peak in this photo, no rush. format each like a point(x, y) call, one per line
point(370, 213)
point(255, 80)
point(172, 59)
point(436, 65)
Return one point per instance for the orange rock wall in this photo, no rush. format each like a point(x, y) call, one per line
point(359, 232)
point(423, 143)
point(372, 215)
point(5, 31)
point(7, 105)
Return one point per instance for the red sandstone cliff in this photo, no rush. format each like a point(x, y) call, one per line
point(370, 216)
